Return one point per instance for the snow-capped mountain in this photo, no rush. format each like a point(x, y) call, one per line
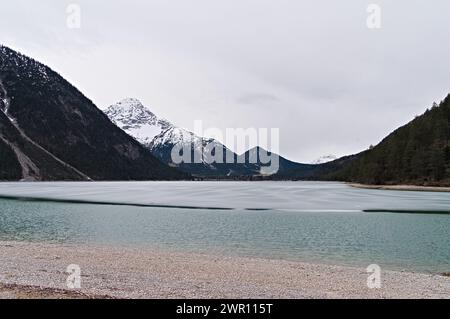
point(138, 121)
point(153, 132)
point(325, 159)
point(161, 136)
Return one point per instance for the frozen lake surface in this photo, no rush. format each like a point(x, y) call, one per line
point(299, 196)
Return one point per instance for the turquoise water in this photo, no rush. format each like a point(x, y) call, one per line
point(419, 242)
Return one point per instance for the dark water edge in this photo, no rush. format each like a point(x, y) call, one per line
point(109, 203)
point(407, 211)
point(112, 203)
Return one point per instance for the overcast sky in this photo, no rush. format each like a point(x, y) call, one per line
point(311, 68)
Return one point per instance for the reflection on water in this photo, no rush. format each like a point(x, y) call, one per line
point(401, 241)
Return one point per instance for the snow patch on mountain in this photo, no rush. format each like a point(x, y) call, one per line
point(175, 136)
point(4, 99)
point(325, 159)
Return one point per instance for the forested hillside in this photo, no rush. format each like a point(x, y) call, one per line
point(417, 153)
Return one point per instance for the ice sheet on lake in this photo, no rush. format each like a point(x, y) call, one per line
point(300, 196)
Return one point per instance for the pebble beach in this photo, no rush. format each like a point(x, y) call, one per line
point(39, 270)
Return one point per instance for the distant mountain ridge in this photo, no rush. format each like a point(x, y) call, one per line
point(160, 137)
point(51, 131)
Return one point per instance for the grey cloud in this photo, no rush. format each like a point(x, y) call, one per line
point(257, 98)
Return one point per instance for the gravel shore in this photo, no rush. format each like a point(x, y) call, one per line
point(403, 188)
point(39, 271)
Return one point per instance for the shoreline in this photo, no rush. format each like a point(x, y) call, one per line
point(13, 291)
point(37, 270)
point(414, 188)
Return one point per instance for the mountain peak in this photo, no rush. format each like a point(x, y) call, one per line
point(131, 107)
point(137, 120)
point(130, 102)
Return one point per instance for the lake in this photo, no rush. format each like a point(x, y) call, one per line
point(306, 221)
